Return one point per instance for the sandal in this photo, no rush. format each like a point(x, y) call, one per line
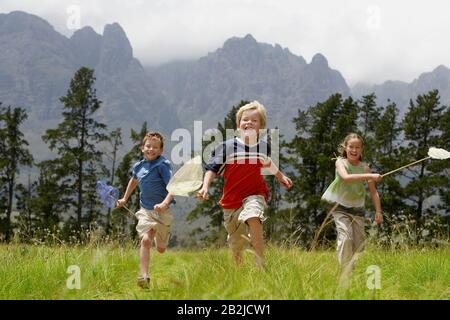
point(144, 282)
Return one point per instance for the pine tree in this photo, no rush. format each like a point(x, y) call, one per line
point(386, 155)
point(369, 117)
point(320, 129)
point(3, 206)
point(14, 155)
point(26, 221)
point(369, 114)
point(77, 137)
point(92, 204)
point(115, 140)
point(387, 145)
point(51, 199)
point(3, 184)
point(423, 129)
point(444, 166)
point(271, 225)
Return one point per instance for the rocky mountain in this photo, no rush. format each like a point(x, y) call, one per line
point(244, 69)
point(401, 92)
point(37, 64)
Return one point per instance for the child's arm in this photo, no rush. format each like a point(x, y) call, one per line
point(375, 199)
point(165, 204)
point(273, 169)
point(213, 166)
point(165, 171)
point(203, 192)
point(349, 178)
point(132, 184)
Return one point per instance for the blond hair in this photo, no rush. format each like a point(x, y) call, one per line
point(343, 145)
point(154, 135)
point(255, 105)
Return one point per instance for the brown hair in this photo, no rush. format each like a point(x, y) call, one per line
point(341, 148)
point(154, 135)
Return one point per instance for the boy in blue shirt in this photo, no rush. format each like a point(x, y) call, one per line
point(152, 174)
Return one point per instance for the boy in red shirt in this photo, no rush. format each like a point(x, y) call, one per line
point(245, 192)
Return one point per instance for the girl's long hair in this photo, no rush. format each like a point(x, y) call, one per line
point(341, 148)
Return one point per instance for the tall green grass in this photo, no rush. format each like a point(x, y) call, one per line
point(110, 272)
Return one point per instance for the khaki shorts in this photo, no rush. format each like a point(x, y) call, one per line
point(234, 220)
point(160, 222)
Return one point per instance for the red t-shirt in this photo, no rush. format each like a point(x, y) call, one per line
point(241, 167)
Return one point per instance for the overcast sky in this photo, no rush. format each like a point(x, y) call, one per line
point(366, 40)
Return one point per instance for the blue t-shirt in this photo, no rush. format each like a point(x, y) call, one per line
point(153, 177)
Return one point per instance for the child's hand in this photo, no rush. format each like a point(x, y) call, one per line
point(160, 207)
point(285, 181)
point(376, 177)
point(121, 202)
point(202, 194)
point(378, 217)
point(267, 163)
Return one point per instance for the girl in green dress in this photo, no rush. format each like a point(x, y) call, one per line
point(347, 191)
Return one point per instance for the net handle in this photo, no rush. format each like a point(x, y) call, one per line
point(410, 164)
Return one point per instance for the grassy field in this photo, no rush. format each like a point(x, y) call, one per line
point(110, 272)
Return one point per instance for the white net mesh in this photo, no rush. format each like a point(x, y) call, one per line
point(438, 153)
point(187, 179)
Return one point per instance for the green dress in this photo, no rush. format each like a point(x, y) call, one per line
point(350, 195)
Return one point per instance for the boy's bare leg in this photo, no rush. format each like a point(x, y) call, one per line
point(238, 257)
point(146, 243)
point(257, 237)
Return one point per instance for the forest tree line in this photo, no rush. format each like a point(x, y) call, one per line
point(61, 204)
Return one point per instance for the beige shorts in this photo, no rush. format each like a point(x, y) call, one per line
point(160, 222)
point(234, 220)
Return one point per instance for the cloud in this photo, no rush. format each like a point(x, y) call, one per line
point(366, 40)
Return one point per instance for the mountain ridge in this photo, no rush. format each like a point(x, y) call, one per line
point(37, 63)
point(244, 69)
point(402, 92)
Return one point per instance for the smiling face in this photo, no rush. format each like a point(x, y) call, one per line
point(151, 148)
point(249, 125)
point(353, 150)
